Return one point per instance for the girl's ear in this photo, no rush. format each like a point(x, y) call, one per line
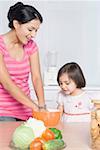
point(15, 24)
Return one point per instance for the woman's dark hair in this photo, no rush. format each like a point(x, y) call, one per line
point(22, 13)
point(74, 72)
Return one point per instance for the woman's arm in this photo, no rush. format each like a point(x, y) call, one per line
point(36, 78)
point(12, 88)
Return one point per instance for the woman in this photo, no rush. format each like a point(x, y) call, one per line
point(19, 56)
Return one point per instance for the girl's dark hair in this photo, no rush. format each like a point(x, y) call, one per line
point(22, 13)
point(74, 72)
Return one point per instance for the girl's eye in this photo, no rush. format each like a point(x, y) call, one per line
point(30, 29)
point(60, 83)
point(67, 83)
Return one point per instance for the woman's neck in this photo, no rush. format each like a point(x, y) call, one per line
point(11, 38)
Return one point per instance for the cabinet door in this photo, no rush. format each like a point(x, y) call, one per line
point(94, 94)
point(51, 97)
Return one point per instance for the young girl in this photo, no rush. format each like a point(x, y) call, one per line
point(73, 102)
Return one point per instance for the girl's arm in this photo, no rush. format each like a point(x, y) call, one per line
point(61, 109)
point(36, 78)
point(12, 88)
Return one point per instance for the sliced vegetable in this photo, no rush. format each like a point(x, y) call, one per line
point(40, 139)
point(22, 137)
point(37, 143)
point(57, 133)
point(48, 135)
point(56, 144)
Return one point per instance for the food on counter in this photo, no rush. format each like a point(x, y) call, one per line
point(48, 135)
point(56, 144)
point(57, 133)
point(95, 126)
point(33, 135)
point(37, 126)
point(36, 145)
point(48, 140)
point(22, 137)
point(27, 132)
point(40, 139)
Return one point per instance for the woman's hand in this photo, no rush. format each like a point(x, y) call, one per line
point(35, 107)
point(42, 108)
point(38, 107)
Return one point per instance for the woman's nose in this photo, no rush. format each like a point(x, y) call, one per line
point(33, 33)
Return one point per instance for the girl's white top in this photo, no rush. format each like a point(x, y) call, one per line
point(76, 108)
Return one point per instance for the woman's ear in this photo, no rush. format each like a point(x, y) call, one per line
point(15, 24)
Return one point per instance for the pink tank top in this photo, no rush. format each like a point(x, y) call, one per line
point(19, 72)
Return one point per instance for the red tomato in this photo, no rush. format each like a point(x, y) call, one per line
point(48, 135)
point(36, 145)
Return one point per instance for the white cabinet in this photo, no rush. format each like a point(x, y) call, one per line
point(94, 92)
point(50, 93)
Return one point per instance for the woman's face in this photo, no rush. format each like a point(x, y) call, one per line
point(67, 85)
point(27, 31)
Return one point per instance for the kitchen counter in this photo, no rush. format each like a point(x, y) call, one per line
point(76, 135)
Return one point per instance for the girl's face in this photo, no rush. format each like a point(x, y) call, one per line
point(67, 85)
point(26, 31)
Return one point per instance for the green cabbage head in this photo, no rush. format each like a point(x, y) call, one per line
point(22, 137)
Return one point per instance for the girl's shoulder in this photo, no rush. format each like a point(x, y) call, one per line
point(86, 98)
point(91, 95)
point(85, 95)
